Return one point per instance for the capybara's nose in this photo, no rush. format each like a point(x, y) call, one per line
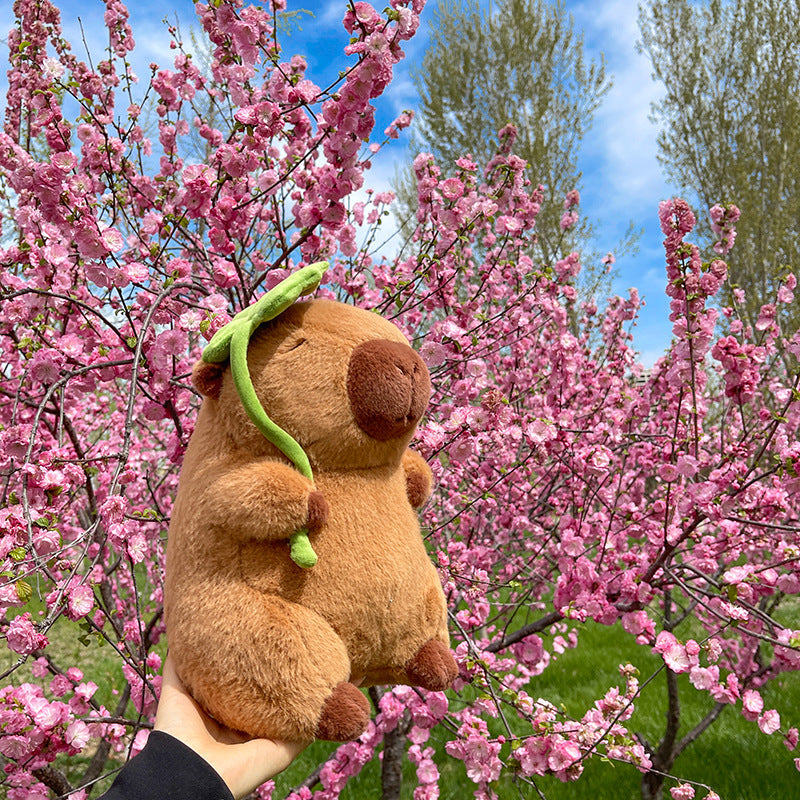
point(389, 388)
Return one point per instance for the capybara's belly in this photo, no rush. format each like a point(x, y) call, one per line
point(373, 582)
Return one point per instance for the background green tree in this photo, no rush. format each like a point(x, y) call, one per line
point(729, 122)
point(518, 62)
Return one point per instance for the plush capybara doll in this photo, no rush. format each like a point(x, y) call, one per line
point(266, 645)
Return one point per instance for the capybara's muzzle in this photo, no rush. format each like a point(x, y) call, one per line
point(389, 388)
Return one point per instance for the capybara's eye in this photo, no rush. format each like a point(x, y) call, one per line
point(293, 344)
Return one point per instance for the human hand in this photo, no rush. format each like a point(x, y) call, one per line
point(242, 763)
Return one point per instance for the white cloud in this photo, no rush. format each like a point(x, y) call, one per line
point(331, 14)
point(623, 180)
point(400, 93)
point(624, 138)
point(379, 179)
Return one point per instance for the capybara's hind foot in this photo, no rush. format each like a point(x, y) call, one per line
point(433, 666)
point(345, 715)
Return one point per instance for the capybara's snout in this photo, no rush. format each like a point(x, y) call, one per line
point(388, 386)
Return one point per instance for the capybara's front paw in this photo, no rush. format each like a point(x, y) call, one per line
point(418, 488)
point(419, 479)
point(345, 715)
point(433, 667)
point(317, 511)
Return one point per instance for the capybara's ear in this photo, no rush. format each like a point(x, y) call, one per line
point(207, 378)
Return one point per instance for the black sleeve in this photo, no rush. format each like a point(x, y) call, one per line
point(167, 770)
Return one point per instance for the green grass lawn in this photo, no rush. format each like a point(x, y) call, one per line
point(733, 757)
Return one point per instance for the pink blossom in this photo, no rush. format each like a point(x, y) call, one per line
point(47, 715)
point(571, 199)
point(15, 747)
point(139, 741)
point(563, 755)
point(112, 240)
point(704, 678)
point(752, 704)
point(530, 651)
point(675, 217)
point(532, 757)
point(540, 430)
point(568, 219)
point(728, 692)
point(433, 354)
point(668, 472)
point(39, 667)
point(769, 721)
point(113, 509)
point(677, 657)
point(767, 317)
point(77, 735)
point(60, 685)
point(599, 461)
point(80, 601)
point(733, 611)
point(45, 366)
point(737, 574)
point(452, 188)
point(687, 465)
point(22, 636)
point(85, 690)
point(53, 68)
point(785, 294)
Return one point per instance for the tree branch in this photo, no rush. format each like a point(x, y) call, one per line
point(53, 779)
point(526, 630)
point(698, 729)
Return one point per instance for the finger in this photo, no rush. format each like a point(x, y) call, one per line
point(179, 714)
point(169, 683)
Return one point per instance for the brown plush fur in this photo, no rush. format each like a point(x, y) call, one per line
point(265, 646)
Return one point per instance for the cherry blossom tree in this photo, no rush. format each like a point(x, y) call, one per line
point(571, 487)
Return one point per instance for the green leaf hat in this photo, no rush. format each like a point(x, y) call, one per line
point(231, 342)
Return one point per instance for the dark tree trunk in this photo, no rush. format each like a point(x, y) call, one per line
point(394, 748)
point(664, 757)
point(652, 786)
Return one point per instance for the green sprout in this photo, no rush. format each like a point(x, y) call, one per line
point(231, 342)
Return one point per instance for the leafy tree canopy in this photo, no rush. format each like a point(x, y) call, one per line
point(729, 117)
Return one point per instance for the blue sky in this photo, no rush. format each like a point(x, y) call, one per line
point(622, 180)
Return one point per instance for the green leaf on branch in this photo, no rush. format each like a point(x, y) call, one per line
point(24, 591)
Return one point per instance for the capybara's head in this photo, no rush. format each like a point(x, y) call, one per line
point(342, 381)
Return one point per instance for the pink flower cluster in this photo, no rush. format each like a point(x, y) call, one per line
point(37, 730)
point(723, 219)
point(560, 746)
